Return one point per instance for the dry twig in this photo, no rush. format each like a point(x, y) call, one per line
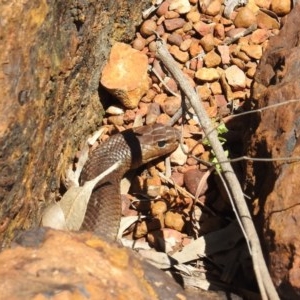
point(265, 283)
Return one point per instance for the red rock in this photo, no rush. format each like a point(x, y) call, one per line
point(276, 184)
point(225, 55)
point(125, 74)
point(177, 178)
point(173, 24)
point(259, 36)
point(203, 28)
point(192, 179)
point(219, 31)
point(68, 265)
point(163, 8)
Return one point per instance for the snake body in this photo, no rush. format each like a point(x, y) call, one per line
point(134, 147)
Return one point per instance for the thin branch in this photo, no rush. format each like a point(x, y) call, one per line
point(266, 286)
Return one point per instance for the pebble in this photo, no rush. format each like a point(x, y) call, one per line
point(208, 42)
point(158, 208)
point(173, 24)
point(193, 16)
point(153, 113)
point(179, 55)
point(225, 54)
point(148, 27)
point(253, 51)
point(207, 74)
point(181, 6)
point(245, 18)
point(177, 177)
point(259, 36)
point(213, 8)
point(235, 77)
point(204, 92)
point(114, 110)
point(171, 105)
point(264, 21)
point(178, 157)
point(212, 59)
point(216, 88)
point(281, 7)
point(175, 39)
point(185, 45)
point(203, 28)
point(192, 179)
point(174, 221)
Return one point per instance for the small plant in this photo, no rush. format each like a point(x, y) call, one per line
point(221, 129)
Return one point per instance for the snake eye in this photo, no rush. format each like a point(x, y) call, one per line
point(161, 144)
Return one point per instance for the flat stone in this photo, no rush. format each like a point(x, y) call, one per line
point(125, 75)
point(207, 74)
point(212, 59)
point(172, 24)
point(253, 51)
point(225, 54)
point(265, 21)
point(235, 77)
point(203, 28)
point(259, 36)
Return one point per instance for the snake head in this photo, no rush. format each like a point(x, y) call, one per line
point(156, 140)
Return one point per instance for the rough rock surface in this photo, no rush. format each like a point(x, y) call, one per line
point(46, 264)
point(276, 184)
point(125, 75)
point(51, 54)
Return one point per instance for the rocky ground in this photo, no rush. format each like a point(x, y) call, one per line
point(187, 215)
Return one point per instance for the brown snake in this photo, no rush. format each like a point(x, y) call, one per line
point(133, 147)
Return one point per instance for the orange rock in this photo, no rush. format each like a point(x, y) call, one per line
point(267, 22)
point(254, 51)
point(125, 74)
point(181, 56)
point(216, 88)
point(204, 92)
point(174, 220)
point(212, 59)
point(245, 18)
point(213, 8)
point(281, 7)
point(208, 42)
point(259, 36)
point(207, 74)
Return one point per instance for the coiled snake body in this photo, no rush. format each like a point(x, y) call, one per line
point(133, 147)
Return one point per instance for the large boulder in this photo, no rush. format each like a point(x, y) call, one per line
point(275, 185)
